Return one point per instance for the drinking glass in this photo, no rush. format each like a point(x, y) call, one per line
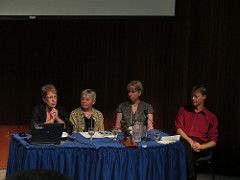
point(157, 135)
point(115, 133)
point(91, 132)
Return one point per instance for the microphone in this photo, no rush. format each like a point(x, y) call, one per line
point(145, 138)
point(146, 116)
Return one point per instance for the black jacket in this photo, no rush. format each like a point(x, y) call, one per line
point(39, 116)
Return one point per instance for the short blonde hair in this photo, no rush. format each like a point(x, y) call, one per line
point(89, 92)
point(135, 85)
point(48, 88)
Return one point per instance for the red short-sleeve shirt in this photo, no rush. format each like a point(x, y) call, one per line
point(201, 126)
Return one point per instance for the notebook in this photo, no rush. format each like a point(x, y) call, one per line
point(46, 133)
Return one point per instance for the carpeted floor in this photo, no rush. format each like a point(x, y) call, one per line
point(217, 177)
point(200, 176)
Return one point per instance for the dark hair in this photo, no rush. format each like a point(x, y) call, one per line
point(200, 88)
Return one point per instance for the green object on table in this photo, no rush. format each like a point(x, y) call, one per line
point(105, 133)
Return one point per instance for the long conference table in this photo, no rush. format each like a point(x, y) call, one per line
point(101, 158)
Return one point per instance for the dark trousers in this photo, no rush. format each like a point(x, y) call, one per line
point(191, 157)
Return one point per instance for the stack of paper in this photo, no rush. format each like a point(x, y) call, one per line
point(64, 134)
point(96, 135)
point(99, 134)
point(169, 139)
point(106, 134)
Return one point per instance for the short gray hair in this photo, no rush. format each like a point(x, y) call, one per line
point(89, 92)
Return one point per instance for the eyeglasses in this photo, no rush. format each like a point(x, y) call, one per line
point(52, 97)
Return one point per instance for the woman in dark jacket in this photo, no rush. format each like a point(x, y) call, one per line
point(49, 112)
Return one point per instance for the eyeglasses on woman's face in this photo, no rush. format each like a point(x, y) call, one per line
point(52, 97)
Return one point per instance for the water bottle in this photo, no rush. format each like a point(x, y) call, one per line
point(137, 131)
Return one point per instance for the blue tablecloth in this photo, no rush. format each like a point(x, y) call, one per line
point(103, 159)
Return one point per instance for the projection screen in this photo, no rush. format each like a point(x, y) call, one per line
point(87, 8)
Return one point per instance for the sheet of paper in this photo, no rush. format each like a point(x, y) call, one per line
point(64, 134)
point(169, 139)
point(96, 135)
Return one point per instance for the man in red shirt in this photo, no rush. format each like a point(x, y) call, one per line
point(197, 127)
